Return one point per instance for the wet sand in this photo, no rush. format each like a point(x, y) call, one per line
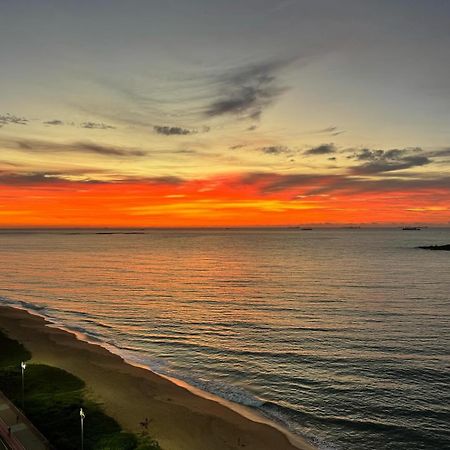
point(180, 418)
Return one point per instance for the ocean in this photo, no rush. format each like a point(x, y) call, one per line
point(341, 335)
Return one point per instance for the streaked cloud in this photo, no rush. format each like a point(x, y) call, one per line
point(247, 91)
point(379, 161)
point(35, 146)
point(8, 119)
point(54, 122)
point(96, 126)
point(167, 130)
point(324, 149)
point(276, 150)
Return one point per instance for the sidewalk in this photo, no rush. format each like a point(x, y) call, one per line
point(17, 431)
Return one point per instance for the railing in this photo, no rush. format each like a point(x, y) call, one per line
point(25, 421)
point(10, 440)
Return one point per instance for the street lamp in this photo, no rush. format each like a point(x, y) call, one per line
point(23, 365)
point(82, 416)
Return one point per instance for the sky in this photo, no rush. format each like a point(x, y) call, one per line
point(224, 113)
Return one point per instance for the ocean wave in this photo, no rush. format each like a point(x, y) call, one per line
point(226, 391)
point(31, 307)
point(291, 417)
point(51, 315)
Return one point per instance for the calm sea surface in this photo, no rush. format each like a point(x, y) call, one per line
point(342, 335)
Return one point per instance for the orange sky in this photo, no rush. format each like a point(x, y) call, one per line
point(237, 200)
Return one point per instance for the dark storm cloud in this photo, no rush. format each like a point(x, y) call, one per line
point(7, 119)
point(324, 149)
point(32, 146)
point(96, 126)
point(247, 92)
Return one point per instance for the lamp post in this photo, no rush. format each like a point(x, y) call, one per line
point(23, 366)
point(82, 416)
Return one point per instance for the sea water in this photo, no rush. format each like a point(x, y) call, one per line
point(341, 335)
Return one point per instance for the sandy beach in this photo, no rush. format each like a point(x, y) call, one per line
point(179, 419)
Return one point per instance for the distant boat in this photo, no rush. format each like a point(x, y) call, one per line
point(411, 228)
point(306, 229)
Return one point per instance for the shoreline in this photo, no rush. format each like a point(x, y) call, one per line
point(182, 417)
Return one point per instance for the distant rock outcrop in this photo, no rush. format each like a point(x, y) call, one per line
point(436, 247)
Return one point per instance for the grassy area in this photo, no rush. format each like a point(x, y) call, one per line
point(53, 398)
point(12, 352)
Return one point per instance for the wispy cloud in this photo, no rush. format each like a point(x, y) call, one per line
point(380, 161)
point(323, 149)
point(29, 145)
point(276, 150)
point(80, 177)
point(166, 130)
point(406, 162)
point(54, 122)
point(442, 153)
point(246, 92)
point(105, 150)
point(86, 125)
point(97, 126)
point(331, 131)
point(270, 183)
point(171, 131)
point(23, 177)
point(7, 119)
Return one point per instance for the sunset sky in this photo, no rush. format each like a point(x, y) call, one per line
point(224, 113)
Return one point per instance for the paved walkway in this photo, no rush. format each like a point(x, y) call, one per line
point(17, 431)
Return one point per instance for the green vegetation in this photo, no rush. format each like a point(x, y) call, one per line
point(53, 398)
point(12, 352)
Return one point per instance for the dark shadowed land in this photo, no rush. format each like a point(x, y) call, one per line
point(178, 418)
point(51, 401)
